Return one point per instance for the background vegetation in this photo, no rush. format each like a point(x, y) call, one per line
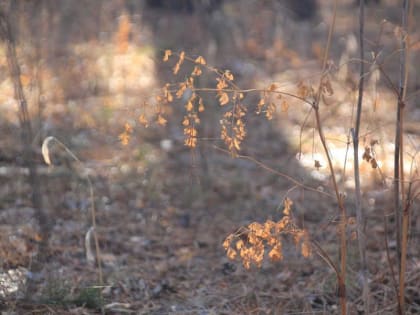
point(158, 169)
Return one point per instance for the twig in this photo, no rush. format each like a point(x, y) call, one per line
point(321, 253)
point(271, 170)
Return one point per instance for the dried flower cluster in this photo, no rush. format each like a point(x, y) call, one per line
point(229, 97)
point(125, 135)
point(369, 155)
point(191, 120)
point(268, 107)
point(256, 241)
point(232, 123)
point(304, 91)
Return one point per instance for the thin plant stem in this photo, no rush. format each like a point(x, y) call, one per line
point(361, 221)
point(398, 138)
point(342, 209)
point(388, 256)
point(273, 171)
point(404, 221)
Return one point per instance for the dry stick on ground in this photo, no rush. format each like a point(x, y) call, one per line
point(361, 223)
point(28, 152)
point(343, 216)
point(399, 135)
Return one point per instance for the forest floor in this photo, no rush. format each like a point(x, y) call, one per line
point(163, 210)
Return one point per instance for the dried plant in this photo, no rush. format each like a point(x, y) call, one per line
point(253, 243)
point(257, 241)
point(93, 230)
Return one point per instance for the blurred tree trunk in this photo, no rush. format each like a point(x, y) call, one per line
point(28, 153)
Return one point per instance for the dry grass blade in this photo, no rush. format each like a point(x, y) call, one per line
point(90, 256)
point(45, 151)
point(92, 230)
